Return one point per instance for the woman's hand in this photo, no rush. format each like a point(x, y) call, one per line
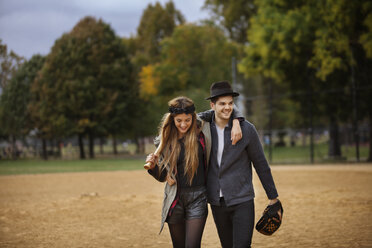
point(236, 132)
point(151, 160)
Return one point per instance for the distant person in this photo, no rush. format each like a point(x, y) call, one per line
point(181, 160)
point(229, 187)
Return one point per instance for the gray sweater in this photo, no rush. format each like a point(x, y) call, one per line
point(234, 176)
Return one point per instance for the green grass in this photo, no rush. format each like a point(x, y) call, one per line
point(297, 154)
point(59, 166)
point(301, 154)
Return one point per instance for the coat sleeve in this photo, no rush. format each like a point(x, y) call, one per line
point(157, 174)
point(257, 156)
point(208, 115)
point(236, 114)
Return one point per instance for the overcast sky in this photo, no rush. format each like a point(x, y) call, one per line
point(31, 26)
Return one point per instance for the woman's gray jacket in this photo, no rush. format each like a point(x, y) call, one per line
point(170, 191)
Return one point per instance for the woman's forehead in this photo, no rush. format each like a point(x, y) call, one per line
point(183, 116)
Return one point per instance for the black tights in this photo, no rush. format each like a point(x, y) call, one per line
point(187, 234)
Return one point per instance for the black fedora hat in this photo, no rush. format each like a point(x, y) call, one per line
point(222, 88)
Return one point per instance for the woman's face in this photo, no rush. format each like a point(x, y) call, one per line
point(183, 123)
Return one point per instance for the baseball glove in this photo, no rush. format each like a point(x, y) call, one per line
point(271, 219)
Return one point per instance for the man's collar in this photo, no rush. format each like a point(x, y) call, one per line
point(214, 117)
point(230, 123)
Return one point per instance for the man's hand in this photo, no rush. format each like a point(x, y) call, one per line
point(273, 201)
point(236, 132)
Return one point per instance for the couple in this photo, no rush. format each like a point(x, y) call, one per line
point(205, 162)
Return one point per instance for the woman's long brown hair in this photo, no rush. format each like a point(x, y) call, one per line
point(169, 145)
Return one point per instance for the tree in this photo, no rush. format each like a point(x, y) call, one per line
point(86, 83)
point(46, 117)
point(192, 58)
point(156, 24)
point(362, 52)
point(14, 115)
point(234, 16)
point(304, 46)
point(10, 62)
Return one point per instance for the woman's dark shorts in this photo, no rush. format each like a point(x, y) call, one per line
point(191, 204)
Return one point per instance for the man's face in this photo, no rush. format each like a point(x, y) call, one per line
point(223, 107)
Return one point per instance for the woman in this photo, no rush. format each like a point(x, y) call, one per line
point(182, 163)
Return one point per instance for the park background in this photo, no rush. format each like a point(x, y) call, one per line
point(94, 102)
point(303, 70)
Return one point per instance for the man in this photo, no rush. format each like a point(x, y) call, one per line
point(229, 184)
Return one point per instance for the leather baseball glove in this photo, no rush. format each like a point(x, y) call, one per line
point(271, 219)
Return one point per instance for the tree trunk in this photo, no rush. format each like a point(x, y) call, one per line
point(114, 145)
point(14, 147)
point(137, 145)
point(81, 146)
point(101, 142)
point(60, 145)
point(334, 150)
point(140, 145)
point(311, 123)
point(44, 145)
point(58, 152)
point(270, 103)
point(370, 137)
point(36, 153)
point(91, 145)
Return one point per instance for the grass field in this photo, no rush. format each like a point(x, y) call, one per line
point(57, 166)
point(280, 155)
point(301, 154)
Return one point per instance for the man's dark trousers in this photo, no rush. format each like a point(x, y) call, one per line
point(234, 224)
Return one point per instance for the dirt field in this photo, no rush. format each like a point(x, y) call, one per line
point(324, 206)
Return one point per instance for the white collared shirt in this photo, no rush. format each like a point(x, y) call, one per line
point(221, 144)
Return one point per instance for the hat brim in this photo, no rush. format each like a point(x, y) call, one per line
point(233, 94)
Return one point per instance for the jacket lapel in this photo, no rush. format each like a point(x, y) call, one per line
point(208, 139)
